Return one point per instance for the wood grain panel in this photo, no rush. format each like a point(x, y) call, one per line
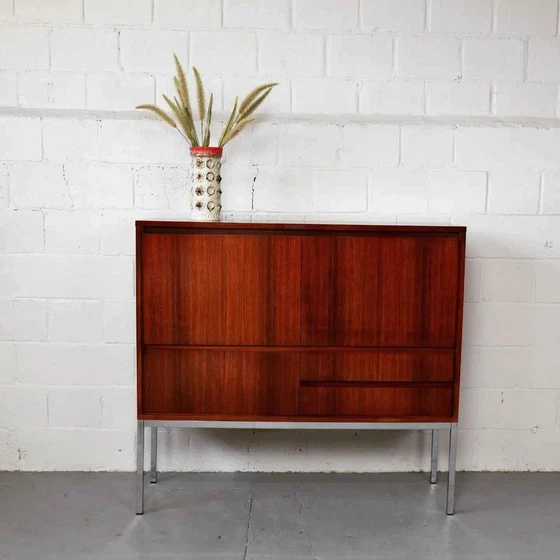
point(356, 292)
point(317, 289)
point(284, 322)
point(220, 382)
point(245, 296)
point(262, 277)
point(199, 284)
point(375, 401)
point(158, 288)
point(377, 366)
point(222, 289)
point(401, 292)
point(440, 280)
point(296, 322)
point(387, 291)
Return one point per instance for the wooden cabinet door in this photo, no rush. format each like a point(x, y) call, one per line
point(379, 290)
point(212, 289)
point(220, 382)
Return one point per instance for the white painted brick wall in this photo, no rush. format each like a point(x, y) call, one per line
point(388, 111)
point(74, 407)
point(493, 59)
point(70, 139)
point(461, 16)
point(23, 407)
point(97, 365)
point(505, 280)
point(457, 191)
point(128, 12)
point(8, 89)
point(146, 50)
point(257, 13)
point(286, 54)
point(24, 47)
point(544, 61)
point(327, 14)
point(119, 91)
point(519, 17)
point(23, 319)
point(21, 231)
point(352, 56)
point(62, 276)
point(20, 139)
point(72, 232)
point(513, 192)
point(38, 185)
point(99, 185)
point(453, 98)
point(394, 15)
point(84, 49)
point(393, 97)
point(6, 9)
point(428, 57)
point(75, 321)
point(536, 100)
point(119, 321)
point(427, 147)
point(232, 53)
point(188, 13)
point(55, 90)
point(59, 11)
point(324, 96)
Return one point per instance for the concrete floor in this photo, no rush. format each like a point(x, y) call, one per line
point(90, 516)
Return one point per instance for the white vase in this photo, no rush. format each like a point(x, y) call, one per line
point(206, 190)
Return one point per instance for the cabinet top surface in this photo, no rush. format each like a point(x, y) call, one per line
point(299, 227)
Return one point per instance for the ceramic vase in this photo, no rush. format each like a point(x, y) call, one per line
point(206, 190)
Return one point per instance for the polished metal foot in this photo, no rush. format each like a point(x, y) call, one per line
point(435, 449)
point(153, 456)
point(140, 468)
point(452, 465)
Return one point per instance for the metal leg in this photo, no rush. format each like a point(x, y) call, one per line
point(153, 456)
point(435, 446)
point(452, 464)
point(140, 468)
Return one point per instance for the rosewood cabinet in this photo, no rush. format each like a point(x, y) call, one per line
point(292, 325)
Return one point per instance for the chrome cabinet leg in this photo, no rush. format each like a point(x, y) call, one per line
point(153, 455)
point(140, 468)
point(435, 449)
point(452, 465)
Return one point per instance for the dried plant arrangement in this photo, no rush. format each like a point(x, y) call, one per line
point(181, 113)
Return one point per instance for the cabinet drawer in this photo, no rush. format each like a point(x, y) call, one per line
point(378, 365)
point(236, 382)
point(390, 402)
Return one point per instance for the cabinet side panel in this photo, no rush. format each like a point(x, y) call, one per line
point(459, 323)
point(139, 323)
